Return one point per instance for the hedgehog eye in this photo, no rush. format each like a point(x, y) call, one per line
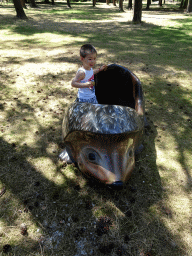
point(92, 156)
point(130, 153)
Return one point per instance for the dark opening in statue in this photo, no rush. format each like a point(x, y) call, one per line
point(102, 138)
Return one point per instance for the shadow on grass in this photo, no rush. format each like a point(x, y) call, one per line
point(34, 198)
point(66, 213)
point(165, 9)
point(172, 101)
point(58, 201)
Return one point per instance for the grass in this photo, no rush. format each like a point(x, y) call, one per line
point(65, 213)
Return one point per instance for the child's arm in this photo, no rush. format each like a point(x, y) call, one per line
point(97, 70)
point(76, 82)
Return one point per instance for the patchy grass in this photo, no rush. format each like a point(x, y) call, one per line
point(47, 208)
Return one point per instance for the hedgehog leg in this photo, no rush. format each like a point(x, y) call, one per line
point(64, 157)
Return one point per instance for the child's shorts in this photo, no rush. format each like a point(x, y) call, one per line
point(92, 100)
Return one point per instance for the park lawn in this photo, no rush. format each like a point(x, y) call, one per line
point(65, 214)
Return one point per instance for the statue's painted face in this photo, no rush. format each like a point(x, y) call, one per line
point(107, 158)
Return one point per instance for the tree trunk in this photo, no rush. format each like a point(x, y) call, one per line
point(137, 11)
point(33, 4)
point(160, 3)
point(189, 7)
point(130, 5)
point(114, 2)
point(107, 2)
point(148, 4)
point(121, 5)
point(68, 3)
point(53, 2)
point(23, 4)
point(94, 3)
point(183, 4)
point(19, 10)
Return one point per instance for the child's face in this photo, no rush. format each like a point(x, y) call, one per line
point(89, 61)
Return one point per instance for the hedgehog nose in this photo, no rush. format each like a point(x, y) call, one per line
point(116, 185)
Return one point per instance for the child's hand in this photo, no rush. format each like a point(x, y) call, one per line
point(89, 84)
point(92, 85)
point(104, 67)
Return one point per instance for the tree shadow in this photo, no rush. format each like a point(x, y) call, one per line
point(58, 209)
point(66, 211)
point(165, 9)
point(132, 208)
point(39, 202)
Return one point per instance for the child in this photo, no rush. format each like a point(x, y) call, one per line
point(84, 79)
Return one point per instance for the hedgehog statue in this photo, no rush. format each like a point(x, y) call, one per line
point(102, 139)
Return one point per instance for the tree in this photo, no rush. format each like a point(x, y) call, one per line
point(121, 5)
point(94, 3)
point(33, 4)
point(183, 4)
point(130, 5)
point(189, 7)
point(148, 4)
point(68, 3)
point(137, 11)
point(19, 9)
point(23, 4)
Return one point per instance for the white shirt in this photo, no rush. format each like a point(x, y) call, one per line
point(86, 93)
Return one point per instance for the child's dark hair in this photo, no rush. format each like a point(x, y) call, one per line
point(87, 49)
